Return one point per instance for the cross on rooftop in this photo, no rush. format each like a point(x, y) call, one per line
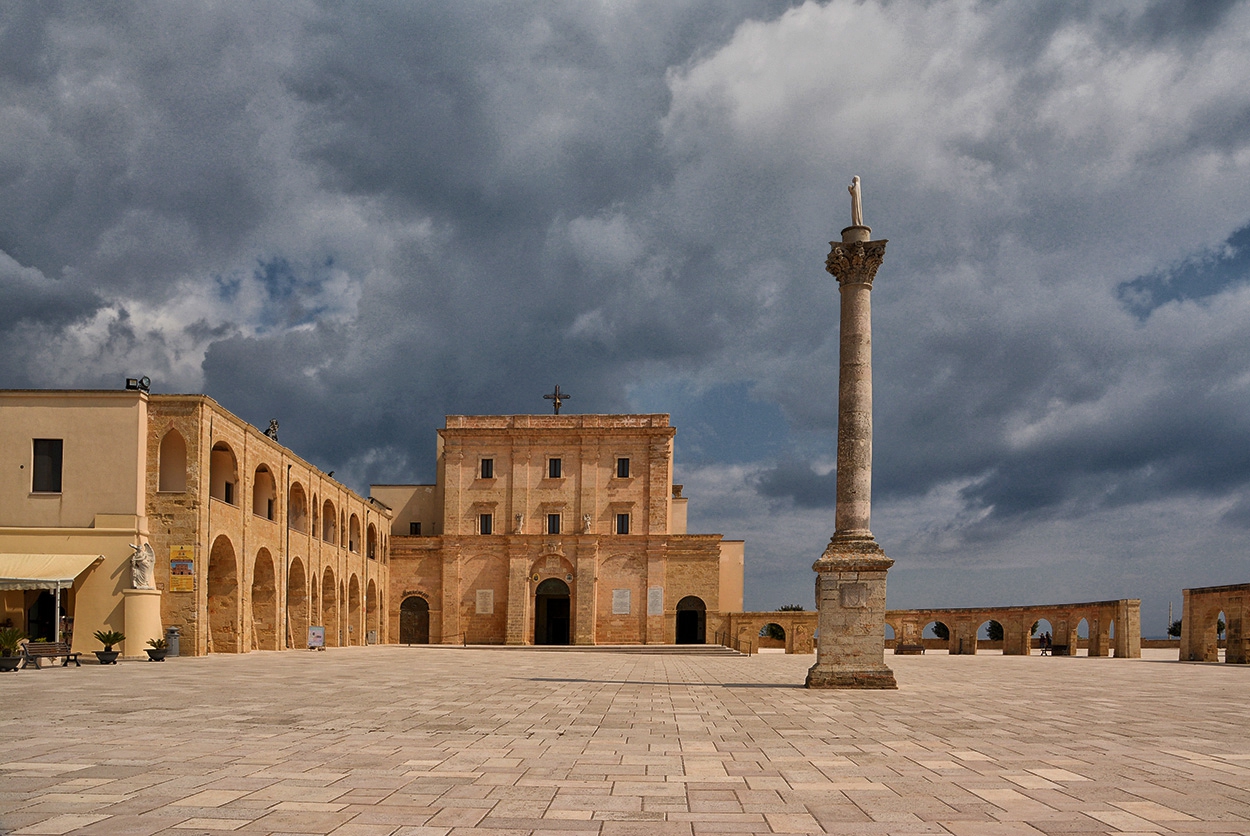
point(558, 397)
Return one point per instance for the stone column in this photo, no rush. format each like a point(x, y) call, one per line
point(850, 575)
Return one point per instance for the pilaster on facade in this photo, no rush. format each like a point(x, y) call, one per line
point(587, 573)
point(452, 632)
point(518, 596)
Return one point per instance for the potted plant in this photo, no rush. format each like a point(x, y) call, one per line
point(108, 638)
point(10, 645)
point(157, 648)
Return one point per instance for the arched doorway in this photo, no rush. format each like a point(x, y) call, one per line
point(330, 609)
point(223, 598)
point(354, 623)
point(414, 620)
point(264, 603)
point(297, 605)
point(551, 612)
point(691, 620)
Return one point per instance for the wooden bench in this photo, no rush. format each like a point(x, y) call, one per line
point(34, 651)
point(909, 650)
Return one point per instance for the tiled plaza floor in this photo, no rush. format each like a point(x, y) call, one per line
point(397, 740)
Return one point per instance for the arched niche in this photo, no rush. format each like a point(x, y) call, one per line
point(173, 463)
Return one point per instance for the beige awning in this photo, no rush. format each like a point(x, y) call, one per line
point(43, 571)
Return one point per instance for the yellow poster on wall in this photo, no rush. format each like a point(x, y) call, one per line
point(182, 568)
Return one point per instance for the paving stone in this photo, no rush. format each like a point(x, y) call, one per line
point(352, 742)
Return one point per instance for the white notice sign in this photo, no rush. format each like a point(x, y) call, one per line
point(655, 600)
point(620, 602)
point(485, 602)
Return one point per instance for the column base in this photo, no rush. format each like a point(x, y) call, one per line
point(866, 679)
point(850, 603)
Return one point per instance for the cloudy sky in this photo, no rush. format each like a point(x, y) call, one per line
point(358, 218)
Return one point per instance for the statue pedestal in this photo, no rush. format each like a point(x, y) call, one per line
point(142, 619)
point(850, 599)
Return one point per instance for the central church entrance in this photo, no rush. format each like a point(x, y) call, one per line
point(551, 612)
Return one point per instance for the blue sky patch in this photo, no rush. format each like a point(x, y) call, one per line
point(1196, 278)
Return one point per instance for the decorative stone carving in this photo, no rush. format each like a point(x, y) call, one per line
point(855, 262)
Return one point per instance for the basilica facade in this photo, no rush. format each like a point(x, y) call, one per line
point(555, 529)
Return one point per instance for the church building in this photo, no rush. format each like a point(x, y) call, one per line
point(135, 512)
point(555, 529)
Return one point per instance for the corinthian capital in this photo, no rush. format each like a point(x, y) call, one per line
point(855, 262)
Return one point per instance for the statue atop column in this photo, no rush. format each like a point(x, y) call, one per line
point(857, 203)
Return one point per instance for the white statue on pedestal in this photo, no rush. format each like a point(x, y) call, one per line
point(142, 564)
point(857, 206)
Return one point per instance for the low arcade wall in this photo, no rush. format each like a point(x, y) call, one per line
point(964, 622)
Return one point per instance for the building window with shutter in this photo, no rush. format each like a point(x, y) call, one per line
point(622, 468)
point(414, 529)
point(553, 468)
point(485, 523)
point(488, 468)
point(553, 523)
point(622, 523)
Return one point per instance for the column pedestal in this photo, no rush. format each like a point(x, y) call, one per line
point(850, 600)
point(141, 615)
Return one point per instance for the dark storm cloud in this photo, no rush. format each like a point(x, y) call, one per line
point(357, 219)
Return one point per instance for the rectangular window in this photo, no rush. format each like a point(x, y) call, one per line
point(553, 468)
point(414, 529)
point(622, 468)
point(485, 524)
point(622, 523)
point(488, 468)
point(228, 493)
point(553, 523)
point(47, 472)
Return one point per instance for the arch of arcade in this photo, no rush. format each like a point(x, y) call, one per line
point(1200, 616)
